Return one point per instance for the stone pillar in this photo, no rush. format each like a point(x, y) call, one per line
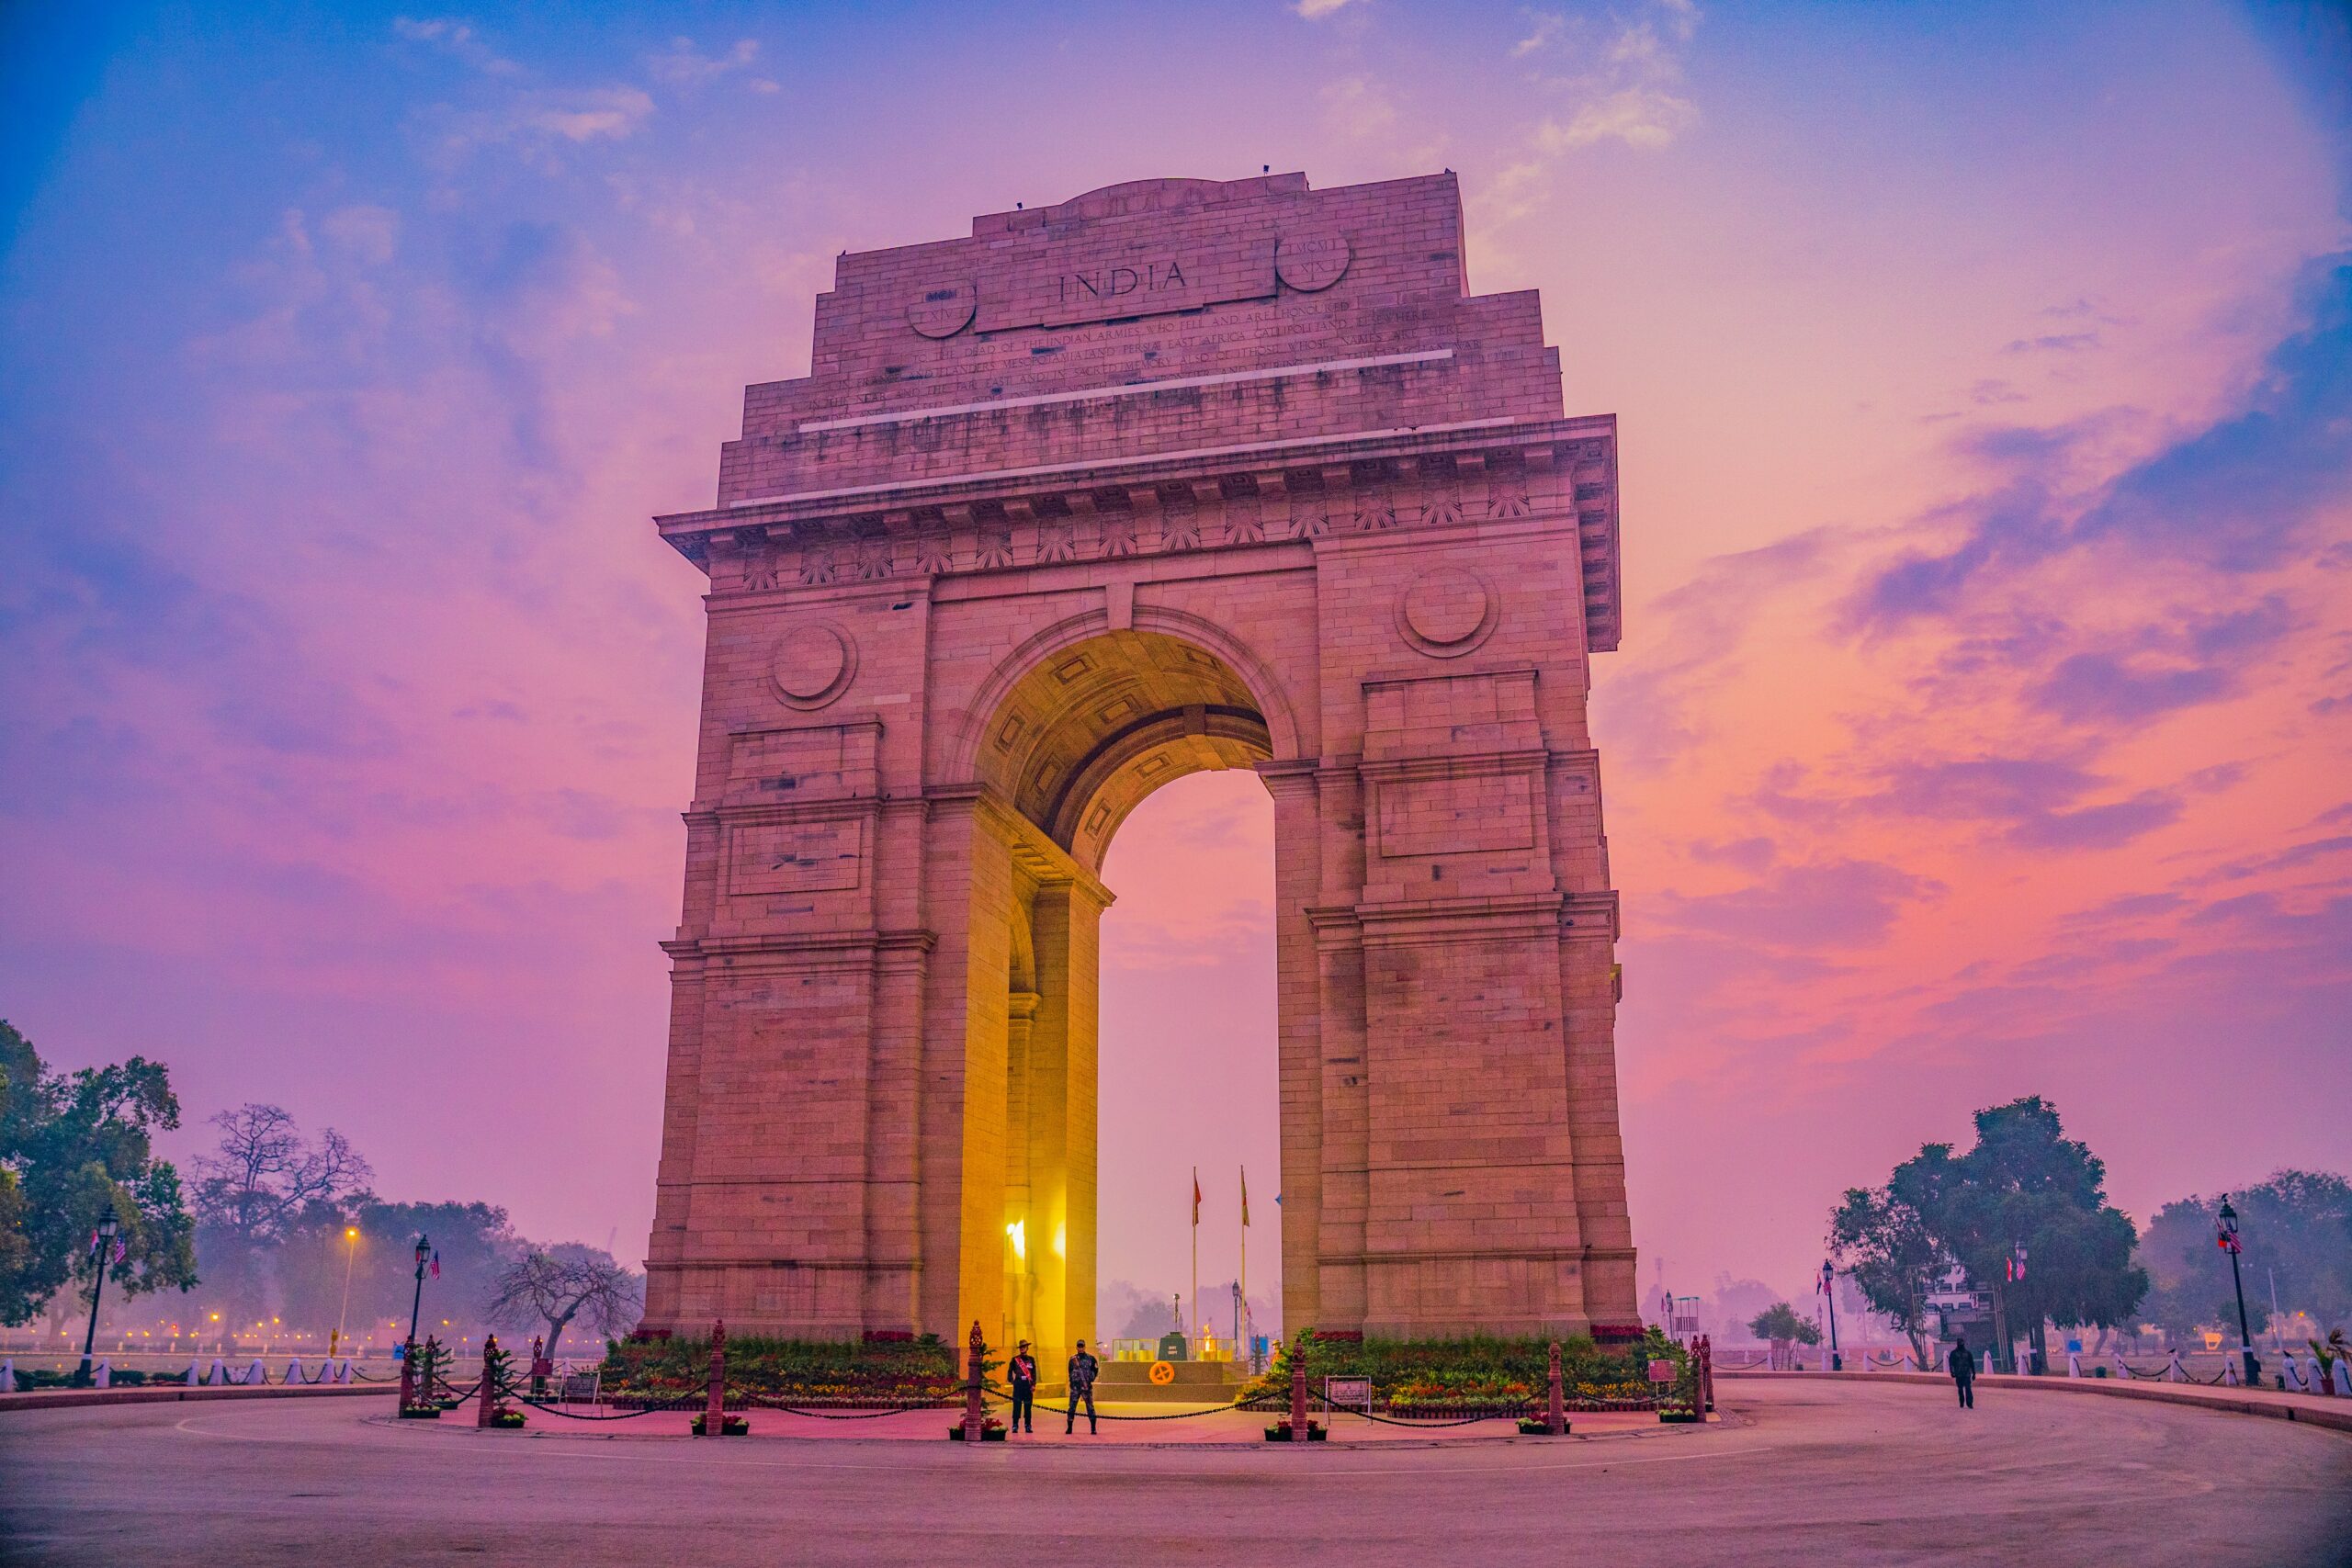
point(1060, 1125)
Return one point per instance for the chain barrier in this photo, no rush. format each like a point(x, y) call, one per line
point(625, 1415)
point(1399, 1421)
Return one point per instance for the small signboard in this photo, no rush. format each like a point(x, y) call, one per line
point(1349, 1391)
point(1662, 1371)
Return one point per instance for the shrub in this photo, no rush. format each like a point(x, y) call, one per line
point(1480, 1370)
point(920, 1371)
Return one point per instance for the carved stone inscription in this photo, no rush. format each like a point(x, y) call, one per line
point(1059, 285)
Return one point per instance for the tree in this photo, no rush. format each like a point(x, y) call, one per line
point(1779, 1325)
point(80, 1147)
point(2024, 1185)
point(264, 1182)
point(264, 1173)
point(474, 1241)
point(1885, 1245)
point(564, 1283)
point(2296, 1228)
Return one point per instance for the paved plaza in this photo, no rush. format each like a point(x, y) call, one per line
point(1801, 1472)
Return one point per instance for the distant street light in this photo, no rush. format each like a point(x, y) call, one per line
point(1828, 1283)
point(2228, 1241)
point(101, 1248)
point(424, 1251)
point(351, 1251)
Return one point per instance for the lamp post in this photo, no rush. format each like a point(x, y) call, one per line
point(424, 1251)
point(106, 1228)
point(1829, 1292)
point(2228, 1241)
point(351, 1251)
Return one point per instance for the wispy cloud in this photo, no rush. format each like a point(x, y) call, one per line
point(1316, 10)
point(682, 65)
point(456, 38)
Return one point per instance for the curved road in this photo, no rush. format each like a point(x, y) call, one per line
point(1807, 1473)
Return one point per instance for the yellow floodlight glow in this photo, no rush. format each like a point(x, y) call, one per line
point(1019, 1231)
point(1061, 1242)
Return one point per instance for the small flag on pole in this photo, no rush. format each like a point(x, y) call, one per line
point(1196, 1200)
point(1245, 1193)
point(436, 1265)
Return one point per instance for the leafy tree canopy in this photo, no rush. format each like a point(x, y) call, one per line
point(1780, 1324)
point(76, 1148)
point(2295, 1228)
point(2024, 1185)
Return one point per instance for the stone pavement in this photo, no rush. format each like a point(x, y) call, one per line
point(1123, 1426)
point(1808, 1473)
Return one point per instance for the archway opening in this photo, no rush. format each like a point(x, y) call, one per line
point(1071, 748)
point(1188, 1071)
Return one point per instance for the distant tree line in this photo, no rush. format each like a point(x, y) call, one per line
point(2024, 1212)
point(273, 1226)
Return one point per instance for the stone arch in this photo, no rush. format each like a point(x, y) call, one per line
point(1269, 690)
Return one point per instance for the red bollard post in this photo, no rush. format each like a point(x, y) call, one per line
point(1556, 1414)
point(714, 1412)
point(976, 1418)
point(488, 1383)
point(1298, 1422)
point(1703, 1347)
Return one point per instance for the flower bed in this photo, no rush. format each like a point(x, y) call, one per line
point(1455, 1379)
point(815, 1374)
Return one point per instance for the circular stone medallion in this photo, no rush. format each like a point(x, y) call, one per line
point(1447, 612)
point(944, 309)
point(813, 664)
point(1312, 259)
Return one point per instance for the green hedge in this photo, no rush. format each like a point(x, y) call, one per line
point(912, 1371)
point(1482, 1371)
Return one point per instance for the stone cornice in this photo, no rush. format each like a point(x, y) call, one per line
point(1555, 471)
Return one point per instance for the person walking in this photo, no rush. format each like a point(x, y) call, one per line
point(1024, 1375)
point(1083, 1369)
point(1963, 1372)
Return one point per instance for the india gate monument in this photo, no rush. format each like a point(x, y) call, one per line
point(1179, 474)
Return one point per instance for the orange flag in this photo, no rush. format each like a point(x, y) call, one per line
point(1196, 1199)
point(1245, 1195)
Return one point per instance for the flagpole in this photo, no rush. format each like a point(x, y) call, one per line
point(1241, 1327)
point(1192, 1338)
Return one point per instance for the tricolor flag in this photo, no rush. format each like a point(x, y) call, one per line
point(436, 1267)
point(1245, 1193)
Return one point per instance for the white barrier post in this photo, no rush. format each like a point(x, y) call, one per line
point(219, 1376)
point(2173, 1371)
point(9, 1375)
point(103, 1376)
point(257, 1375)
point(194, 1377)
point(2074, 1364)
point(294, 1371)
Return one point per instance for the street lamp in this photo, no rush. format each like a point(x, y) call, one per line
point(2228, 1241)
point(101, 1248)
point(351, 1251)
point(424, 1251)
point(1828, 1283)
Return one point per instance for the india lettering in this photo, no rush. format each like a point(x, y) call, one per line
point(1111, 283)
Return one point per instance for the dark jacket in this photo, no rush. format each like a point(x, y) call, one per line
point(1082, 1369)
point(1023, 1369)
point(1962, 1363)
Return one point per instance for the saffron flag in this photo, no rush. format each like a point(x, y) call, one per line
point(1245, 1194)
point(1196, 1198)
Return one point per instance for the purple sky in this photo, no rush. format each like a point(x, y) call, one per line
point(1982, 725)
